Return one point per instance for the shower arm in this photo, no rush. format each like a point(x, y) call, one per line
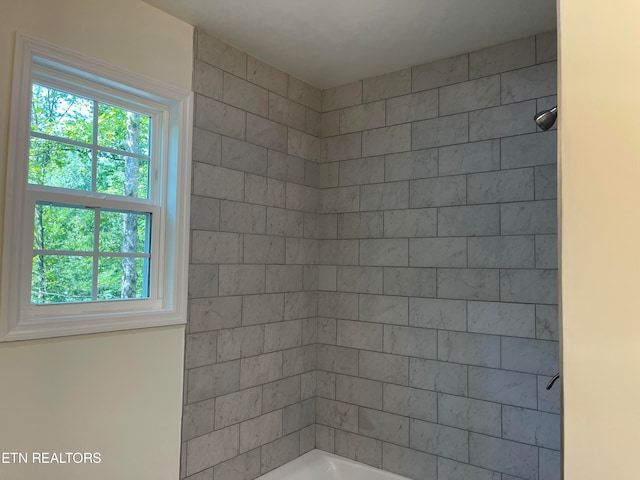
point(553, 380)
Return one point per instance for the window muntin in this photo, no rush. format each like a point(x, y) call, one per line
point(85, 146)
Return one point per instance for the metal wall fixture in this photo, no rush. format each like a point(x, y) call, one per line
point(546, 118)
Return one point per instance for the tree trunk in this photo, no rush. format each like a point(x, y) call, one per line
point(130, 223)
point(40, 246)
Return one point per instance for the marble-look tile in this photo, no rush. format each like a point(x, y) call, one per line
point(298, 415)
point(359, 391)
point(469, 221)
point(413, 342)
point(300, 305)
point(212, 181)
point(337, 414)
point(244, 156)
point(257, 309)
point(383, 426)
point(383, 309)
point(203, 281)
point(360, 225)
point(359, 335)
point(285, 167)
point(286, 223)
point(419, 222)
point(546, 47)
point(303, 145)
point(529, 286)
point(207, 80)
point(221, 54)
point(469, 414)
point(531, 427)
point(503, 57)
point(209, 450)
point(266, 133)
point(410, 282)
point(392, 252)
point(342, 147)
point(441, 131)
point(296, 361)
point(468, 284)
point(438, 313)
point(527, 83)
point(245, 95)
point(242, 217)
point(384, 196)
point(242, 467)
point(411, 402)
point(285, 111)
point(338, 305)
point(362, 171)
point(409, 463)
point(260, 369)
point(200, 349)
point(440, 73)
point(215, 247)
point(240, 342)
point(280, 452)
point(503, 456)
point(304, 93)
point(469, 157)
point(212, 380)
point(359, 279)
point(438, 252)
point(438, 192)
point(383, 367)
point(339, 200)
point(440, 440)
point(411, 165)
point(260, 430)
point(510, 319)
point(452, 470)
point(266, 76)
point(531, 356)
point(501, 252)
point(546, 182)
point(438, 376)
point(282, 335)
point(300, 197)
point(342, 96)
point(326, 384)
point(362, 117)
point(205, 213)
point(197, 419)
point(500, 386)
point(214, 313)
point(498, 187)
point(241, 279)
point(413, 107)
point(382, 141)
point(523, 218)
point(238, 406)
point(263, 249)
point(550, 464)
point(469, 348)
point(471, 95)
point(220, 118)
point(356, 447)
point(547, 322)
point(386, 86)
point(503, 121)
point(338, 252)
point(325, 438)
point(529, 150)
point(280, 394)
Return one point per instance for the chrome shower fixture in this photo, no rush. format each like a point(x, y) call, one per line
point(546, 118)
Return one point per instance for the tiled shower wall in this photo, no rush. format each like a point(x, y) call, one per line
point(421, 229)
point(437, 328)
point(251, 343)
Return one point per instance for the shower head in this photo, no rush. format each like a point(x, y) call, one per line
point(547, 118)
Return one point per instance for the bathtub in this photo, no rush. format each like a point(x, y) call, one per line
point(319, 465)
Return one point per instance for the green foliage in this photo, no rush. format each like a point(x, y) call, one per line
point(57, 162)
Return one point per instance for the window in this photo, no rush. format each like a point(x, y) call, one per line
point(96, 200)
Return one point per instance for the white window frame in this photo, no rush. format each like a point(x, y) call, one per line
point(171, 111)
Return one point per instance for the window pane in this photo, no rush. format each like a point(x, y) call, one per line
point(63, 228)
point(61, 279)
point(122, 278)
point(59, 165)
point(124, 232)
point(62, 114)
point(123, 129)
point(119, 175)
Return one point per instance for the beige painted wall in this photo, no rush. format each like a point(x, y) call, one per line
point(120, 393)
point(600, 245)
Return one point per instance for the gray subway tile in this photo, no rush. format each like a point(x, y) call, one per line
point(410, 341)
point(257, 309)
point(523, 218)
point(287, 112)
point(285, 167)
point(282, 335)
point(338, 252)
point(260, 369)
point(503, 57)
point(214, 313)
point(209, 450)
point(342, 96)
point(203, 281)
point(384, 367)
point(221, 54)
point(438, 192)
point(440, 440)
point(531, 356)
point(205, 213)
point(410, 282)
point(266, 76)
point(386, 86)
point(207, 79)
point(438, 376)
point(359, 448)
point(359, 279)
point(440, 131)
point(529, 150)
point(219, 118)
point(304, 93)
point(260, 430)
point(531, 427)
point(266, 133)
point(411, 165)
point(300, 305)
point(411, 402)
point(338, 305)
point(546, 251)
point(550, 464)
point(529, 286)
point(241, 279)
point(328, 175)
point(411, 108)
point(339, 200)
point(503, 121)
point(283, 278)
point(245, 95)
point(384, 196)
point(440, 73)
point(511, 319)
point(303, 145)
point(242, 217)
point(501, 386)
point(242, 467)
point(501, 252)
point(330, 124)
point(215, 247)
point(327, 330)
point(419, 222)
point(238, 406)
point(468, 284)
point(326, 386)
point(299, 360)
point(546, 46)
point(452, 470)
point(359, 391)
point(548, 400)
point(337, 414)
point(469, 157)
point(471, 95)
point(280, 394)
point(360, 335)
point(298, 415)
point(469, 220)
point(240, 342)
point(383, 309)
point(338, 359)
point(503, 456)
point(362, 171)
point(546, 182)
point(438, 252)
point(469, 414)
point(503, 186)
point(286, 223)
point(392, 252)
point(409, 463)
point(197, 419)
point(342, 147)
point(280, 451)
point(263, 249)
point(360, 225)
point(383, 426)
point(382, 141)
point(547, 322)
point(301, 251)
point(469, 348)
point(325, 438)
point(531, 82)
point(212, 181)
point(362, 117)
point(438, 313)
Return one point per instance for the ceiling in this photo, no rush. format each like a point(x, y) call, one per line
point(332, 42)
